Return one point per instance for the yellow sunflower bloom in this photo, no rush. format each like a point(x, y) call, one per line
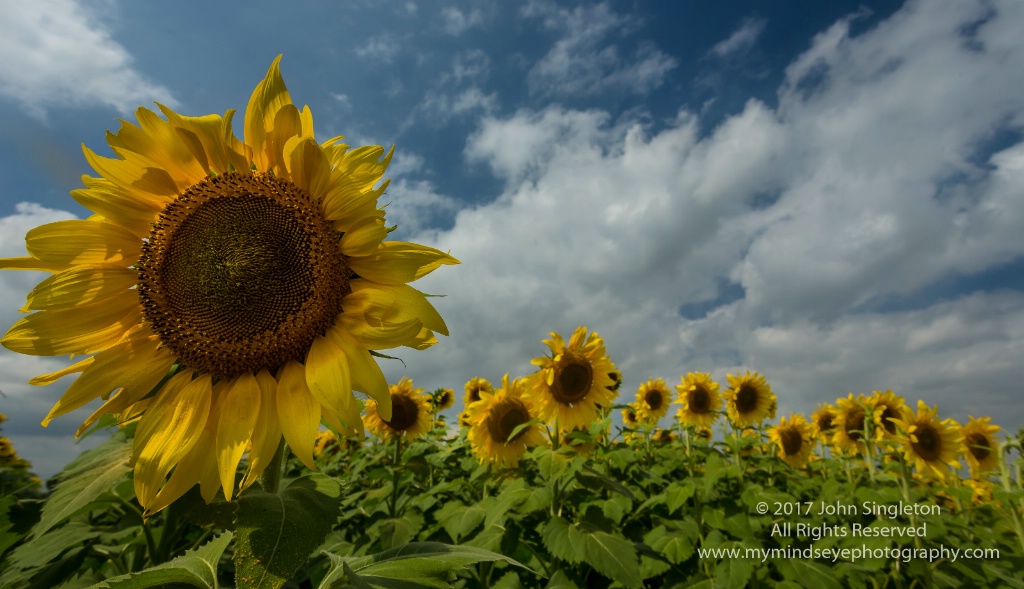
point(652, 400)
point(410, 417)
point(255, 271)
point(748, 399)
point(886, 407)
point(573, 383)
point(823, 422)
point(700, 401)
point(474, 387)
point(495, 418)
point(443, 399)
point(629, 416)
point(849, 436)
point(932, 446)
point(616, 377)
point(794, 438)
point(6, 447)
point(980, 445)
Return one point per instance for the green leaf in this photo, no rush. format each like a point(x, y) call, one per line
point(197, 568)
point(7, 537)
point(677, 494)
point(459, 519)
point(733, 573)
point(807, 573)
point(83, 480)
point(593, 479)
point(613, 557)
point(675, 544)
point(39, 551)
point(396, 531)
point(277, 533)
point(560, 580)
point(564, 540)
point(421, 564)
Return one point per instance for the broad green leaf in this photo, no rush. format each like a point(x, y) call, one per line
point(593, 479)
point(459, 519)
point(675, 545)
point(197, 568)
point(677, 494)
point(83, 481)
point(539, 498)
point(564, 540)
point(37, 552)
point(807, 573)
point(613, 557)
point(396, 531)
point(733, 573)
point(277, 532)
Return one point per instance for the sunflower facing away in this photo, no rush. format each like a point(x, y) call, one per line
point(929, 444)
point(652, 400)
point(748, 399)
point(573, 383)
point(494, 419)
point(794, 438)
point(700, 401)
point(442, 399)
point(411, 415)
point(255, 271)
point(980, 445)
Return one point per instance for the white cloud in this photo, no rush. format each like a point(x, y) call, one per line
point(819, 210)
point(741, 40)
point(456, 21)
point(585, 61)
point(383, 48)
point(57, 53)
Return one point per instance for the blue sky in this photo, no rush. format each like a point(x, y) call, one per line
point(830, 193)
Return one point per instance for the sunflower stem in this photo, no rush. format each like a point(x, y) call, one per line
point(395, 474)
point(869, 459)
point(913, 517)
point(270, 478)
point(1015, 512)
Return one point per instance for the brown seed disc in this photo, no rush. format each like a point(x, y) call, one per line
point(241, 273)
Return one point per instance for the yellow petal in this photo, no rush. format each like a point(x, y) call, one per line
point(134, 174)
point(83, 242)
point(29, 263)
point(223, 150)
point(423, 340)
point(327, 375)
point(136, 365)
point(79, 286)
point(45, 379)
point(158, 142)
point(169, 429)
point(287, 125)
point(398, 262)
point(367, 377)
point(134, 211)
point(239, 409)
point(267, 99)
point(399, 302)
point(363, 238)
point(198, 465)
point(79, 330)
point(307, 165)
point(298, 412)
point(266, 434)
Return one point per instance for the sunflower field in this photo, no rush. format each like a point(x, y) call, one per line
point(226, 305)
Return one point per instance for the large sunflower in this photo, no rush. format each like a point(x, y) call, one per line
point(748, 399)
point(794, 438)
point(652, 400)
point(980, 445)
point(929, 444)
point(254, 271)
point(411, 414)
point(700, 401)
point(494, 419)
point(573, 382)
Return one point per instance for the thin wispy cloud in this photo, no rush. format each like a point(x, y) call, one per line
point(741, 40)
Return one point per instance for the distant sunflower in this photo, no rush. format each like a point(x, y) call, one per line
point(6, 447)
point(474, 387)
point(496, 417)
point(849, 436)
point(663, 436)
point(326, 444)
point(823, 422)
point(652, 400)
point(616, 377)
point(443, 399)
point(703, 435)
point(981, 490)
point(932, 446)
point(254, 271)
point(464, 420)
point(794, 438)
point(573, 382)
point(748, 399)
point(410, 414)
point(886, 407)
point(980, 445)
point(700, 401)
point(629, 416)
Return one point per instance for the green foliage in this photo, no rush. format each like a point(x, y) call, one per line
point(197, 567)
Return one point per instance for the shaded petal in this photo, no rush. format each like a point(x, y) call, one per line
point(327, 375)
point(398, 262)
point(132, 210)
point(223, 150)
point(30, 263)
point(83, 242)
point(400, 302)
point(80, 285)
point(364, 236)
point(239, 408)
point(298, 412)
point(45, 379)
point(267, 99)
point(266, 433)
point(158, 142)
point(198, 465)
point(79, 330)
point(307, 165)
point(133, 174)
point(287, 125)
point(170, 428)
point(136, 364)
point(367, 377)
